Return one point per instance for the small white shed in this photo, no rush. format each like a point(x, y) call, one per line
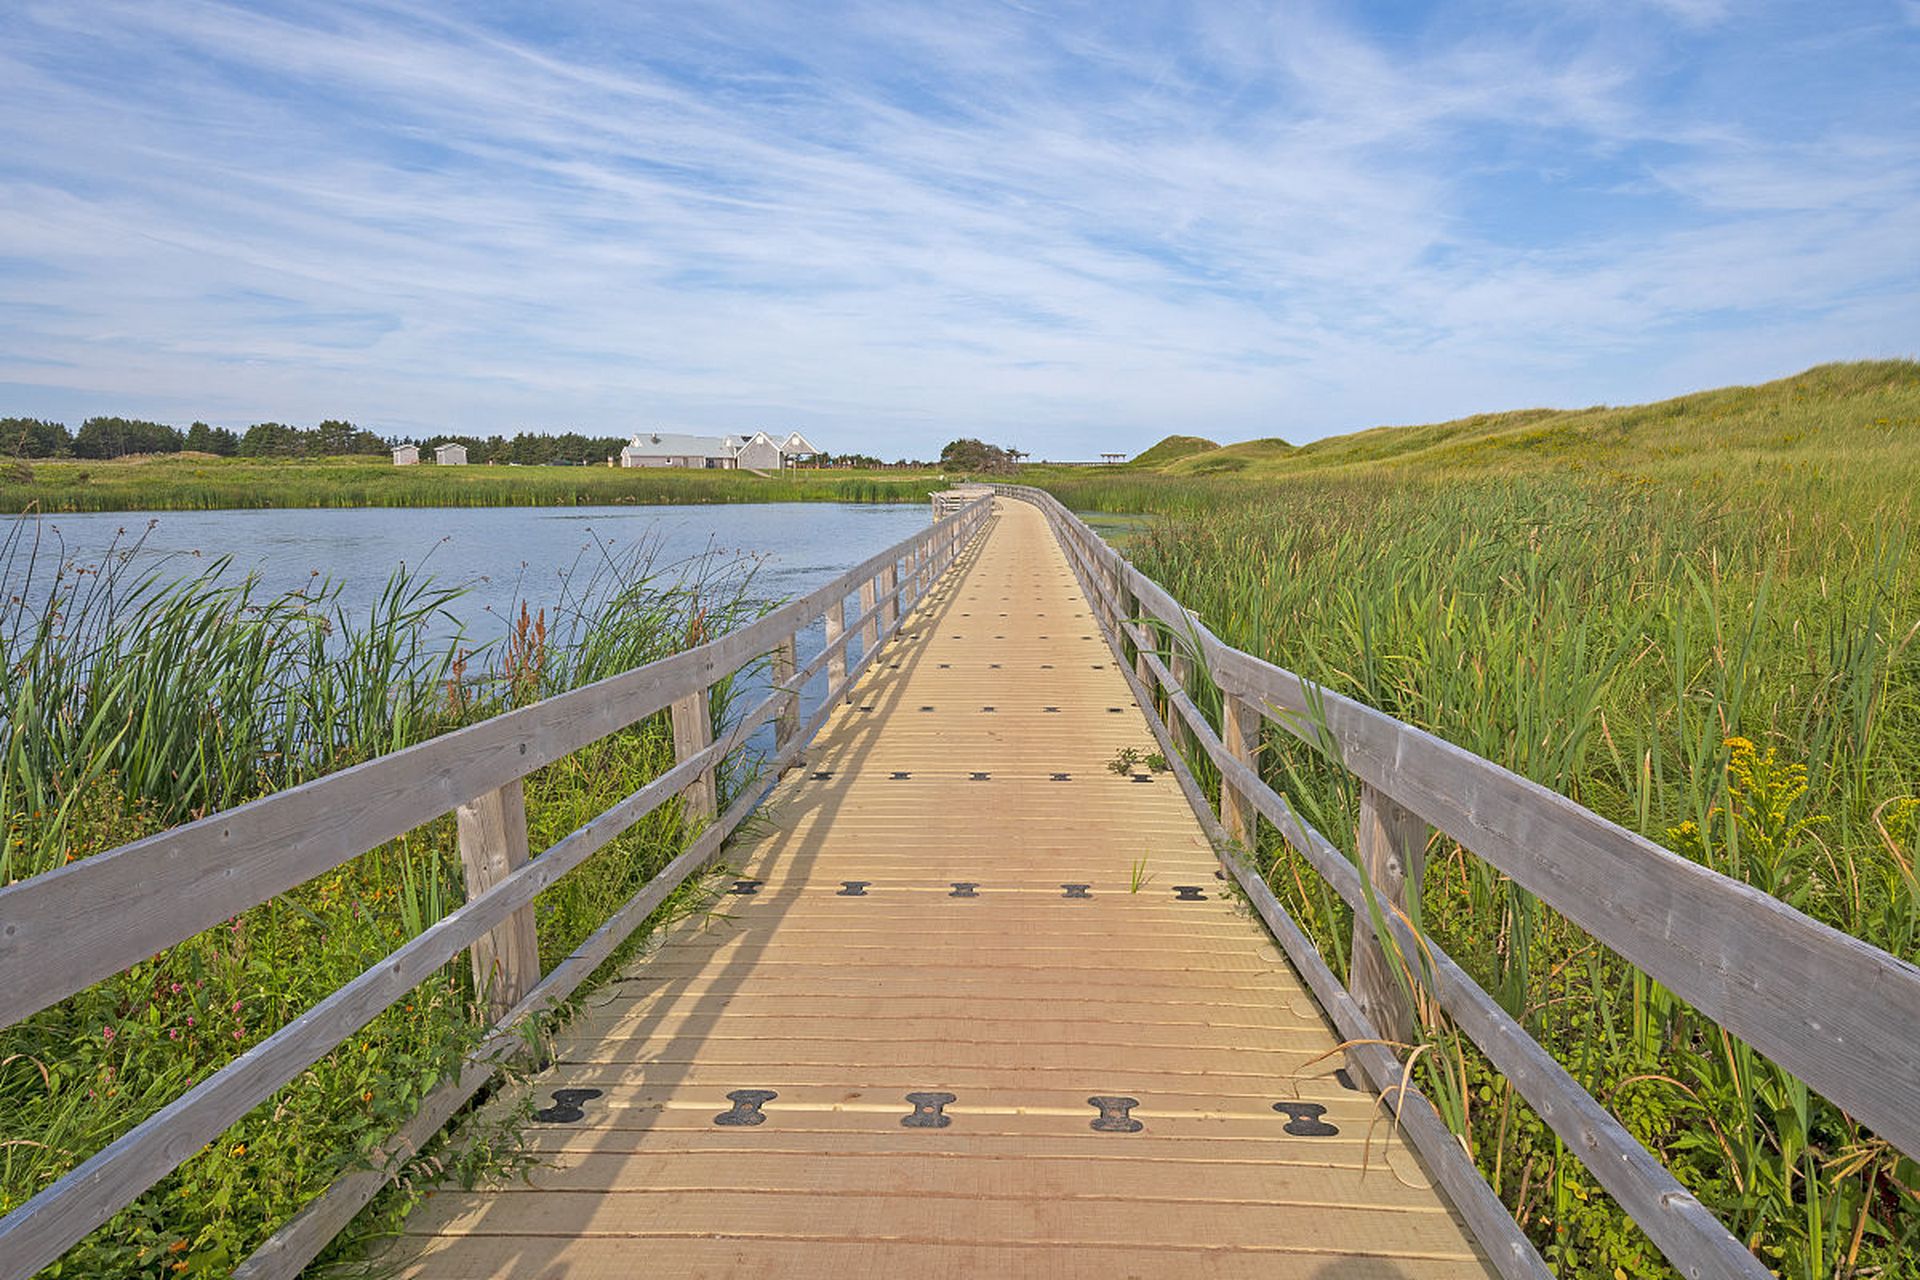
point(450, 455)
point(406, 455)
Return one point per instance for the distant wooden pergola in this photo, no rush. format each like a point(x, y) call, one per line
point(1113, 458)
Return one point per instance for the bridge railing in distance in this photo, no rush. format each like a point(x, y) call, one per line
point(1841, 1015)
point(65, 930)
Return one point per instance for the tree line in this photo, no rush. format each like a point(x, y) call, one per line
point(114, 437)
point(533, 449)
point(111, 437)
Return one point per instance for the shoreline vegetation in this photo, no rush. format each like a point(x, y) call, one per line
point(203, 482)
point(134, 701)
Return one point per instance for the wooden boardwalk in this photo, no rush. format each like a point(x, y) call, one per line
point(956, 899)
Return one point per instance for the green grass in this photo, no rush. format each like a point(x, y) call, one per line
point(130, 704)
point(1700, 618)
point(1171, 449)
point(201, 482)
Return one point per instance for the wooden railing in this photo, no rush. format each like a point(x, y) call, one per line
point(1839, 1014)
point(63, 931)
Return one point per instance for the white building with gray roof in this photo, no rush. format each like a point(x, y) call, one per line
point(757, 452)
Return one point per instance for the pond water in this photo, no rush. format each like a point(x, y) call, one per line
point(1116, 528)
point(499, 556)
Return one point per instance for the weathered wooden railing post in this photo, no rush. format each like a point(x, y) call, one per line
point(890, 587)
point(1240, 731)
point(1135, 625)
point(836, 619)
point(869, 617)
point(1104, 576)
point(492, 832)
point(1393, 855)
point(692, 734)
point(785, 663)
point(1180, 667)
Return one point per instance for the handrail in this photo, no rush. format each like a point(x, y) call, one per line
point(1836, 1012)
point(62, 931)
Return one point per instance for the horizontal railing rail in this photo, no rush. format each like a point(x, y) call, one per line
point(65, 930)
point(1839, 1014)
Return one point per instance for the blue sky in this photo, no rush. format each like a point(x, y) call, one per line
point(1066, 227)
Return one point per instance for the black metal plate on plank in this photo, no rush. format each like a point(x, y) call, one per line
point(746, 888)
point(1076, 890)
point(927, 1111)
point(964, 889)
point(566, 1107)
point(853, 889)
point(1114, 1114)
point(1188, 893)
point(746, 1107)
point(1303, 1119)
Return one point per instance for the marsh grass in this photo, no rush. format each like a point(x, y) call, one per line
point(204, 483)
point(1714, 646)
point(132, 699)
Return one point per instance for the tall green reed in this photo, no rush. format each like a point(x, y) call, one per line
point(1729, 669)
point(134, 697)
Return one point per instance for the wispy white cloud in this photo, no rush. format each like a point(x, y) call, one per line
point(1072, 228)
point(1694, 13)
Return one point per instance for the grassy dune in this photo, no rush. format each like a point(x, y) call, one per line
point(201, 482)
point(1830, 419)
point(1172, 449)
point(1700, 618)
